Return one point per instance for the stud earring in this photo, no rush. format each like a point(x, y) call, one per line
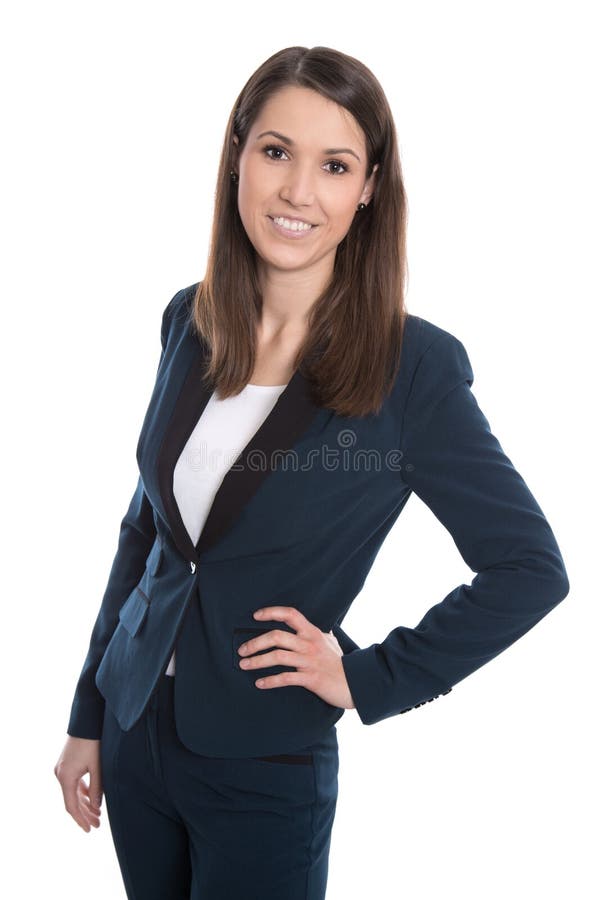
point(362, 206)
point(234, 176)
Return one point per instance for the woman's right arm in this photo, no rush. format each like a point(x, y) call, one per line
point(81, 752)
point(82, 801)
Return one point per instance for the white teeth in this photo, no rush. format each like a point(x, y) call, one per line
point(292, 225)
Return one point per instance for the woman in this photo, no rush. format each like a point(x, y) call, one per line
point(219, 783)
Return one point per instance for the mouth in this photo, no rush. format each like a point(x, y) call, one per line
point(292, 228)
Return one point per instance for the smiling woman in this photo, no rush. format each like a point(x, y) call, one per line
point(305, 159)
point(297, 405)
point(296, 200)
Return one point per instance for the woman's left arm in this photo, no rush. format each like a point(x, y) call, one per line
point(455, 464)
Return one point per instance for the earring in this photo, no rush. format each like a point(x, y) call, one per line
point(362, 206)
point(234, 176)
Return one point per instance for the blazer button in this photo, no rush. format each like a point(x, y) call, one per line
point(192, 567)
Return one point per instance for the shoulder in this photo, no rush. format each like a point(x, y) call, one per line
point(436, 363)
point(432, 351)
point(179, 306)
point(178, 311)
point(421, 334)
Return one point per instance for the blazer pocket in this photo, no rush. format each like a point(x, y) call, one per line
point(133, 612)
point(288, 759)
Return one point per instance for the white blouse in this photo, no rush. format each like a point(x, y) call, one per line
point(221, 433)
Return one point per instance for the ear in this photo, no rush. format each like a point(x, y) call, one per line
point(369, 186)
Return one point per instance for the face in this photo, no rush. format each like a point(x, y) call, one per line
point(312, 171)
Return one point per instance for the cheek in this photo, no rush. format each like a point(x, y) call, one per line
point(249, 192)
point(245, 203)
point(250, 216)
point(340, 219)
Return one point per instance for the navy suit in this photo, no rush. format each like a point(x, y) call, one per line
point(302, 528)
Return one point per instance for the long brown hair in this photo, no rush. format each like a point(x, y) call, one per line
point(351, 352)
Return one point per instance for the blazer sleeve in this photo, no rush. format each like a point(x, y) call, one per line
point(453, 462)
point(136, 536)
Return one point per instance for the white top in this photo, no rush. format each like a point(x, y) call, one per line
point(221, 433)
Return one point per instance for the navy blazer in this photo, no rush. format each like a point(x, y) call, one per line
point(298, 521)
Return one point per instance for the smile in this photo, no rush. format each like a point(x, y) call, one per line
point(291, 228)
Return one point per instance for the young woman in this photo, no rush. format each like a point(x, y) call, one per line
point(297, 406)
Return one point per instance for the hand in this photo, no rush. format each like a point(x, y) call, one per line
point(315, 653)
point(80, 755)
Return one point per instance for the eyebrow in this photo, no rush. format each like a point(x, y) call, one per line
point(291, 143)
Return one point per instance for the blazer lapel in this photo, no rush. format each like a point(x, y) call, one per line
point(289, 419)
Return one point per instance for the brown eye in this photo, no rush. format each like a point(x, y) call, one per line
point(342, 167)
point(336, 162)
point(276, 149)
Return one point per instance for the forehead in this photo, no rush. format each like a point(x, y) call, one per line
point(308, 118)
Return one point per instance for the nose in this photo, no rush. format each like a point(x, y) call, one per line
point(298, 187)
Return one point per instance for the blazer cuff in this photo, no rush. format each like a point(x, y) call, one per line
point(377, 695)
point(86, 719)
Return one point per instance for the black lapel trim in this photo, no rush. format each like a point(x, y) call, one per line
point(192, 398)
point(291, 415)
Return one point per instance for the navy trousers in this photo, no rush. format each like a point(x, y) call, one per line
point(191, 827)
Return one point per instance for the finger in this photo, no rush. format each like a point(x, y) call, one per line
point(86, 795)
point(283, 639)
point(278, 613)
point(91, 816)
point(274, 658)
point(91, 811)
point(289, 614)
point(283, 680)
point(94, 791)
point(72, 805)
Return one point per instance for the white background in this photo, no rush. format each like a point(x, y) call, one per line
point(114, 115)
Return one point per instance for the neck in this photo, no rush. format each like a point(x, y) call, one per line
point(288, 296)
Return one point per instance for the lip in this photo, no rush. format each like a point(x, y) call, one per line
point(291, 218)
point(292, 235)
